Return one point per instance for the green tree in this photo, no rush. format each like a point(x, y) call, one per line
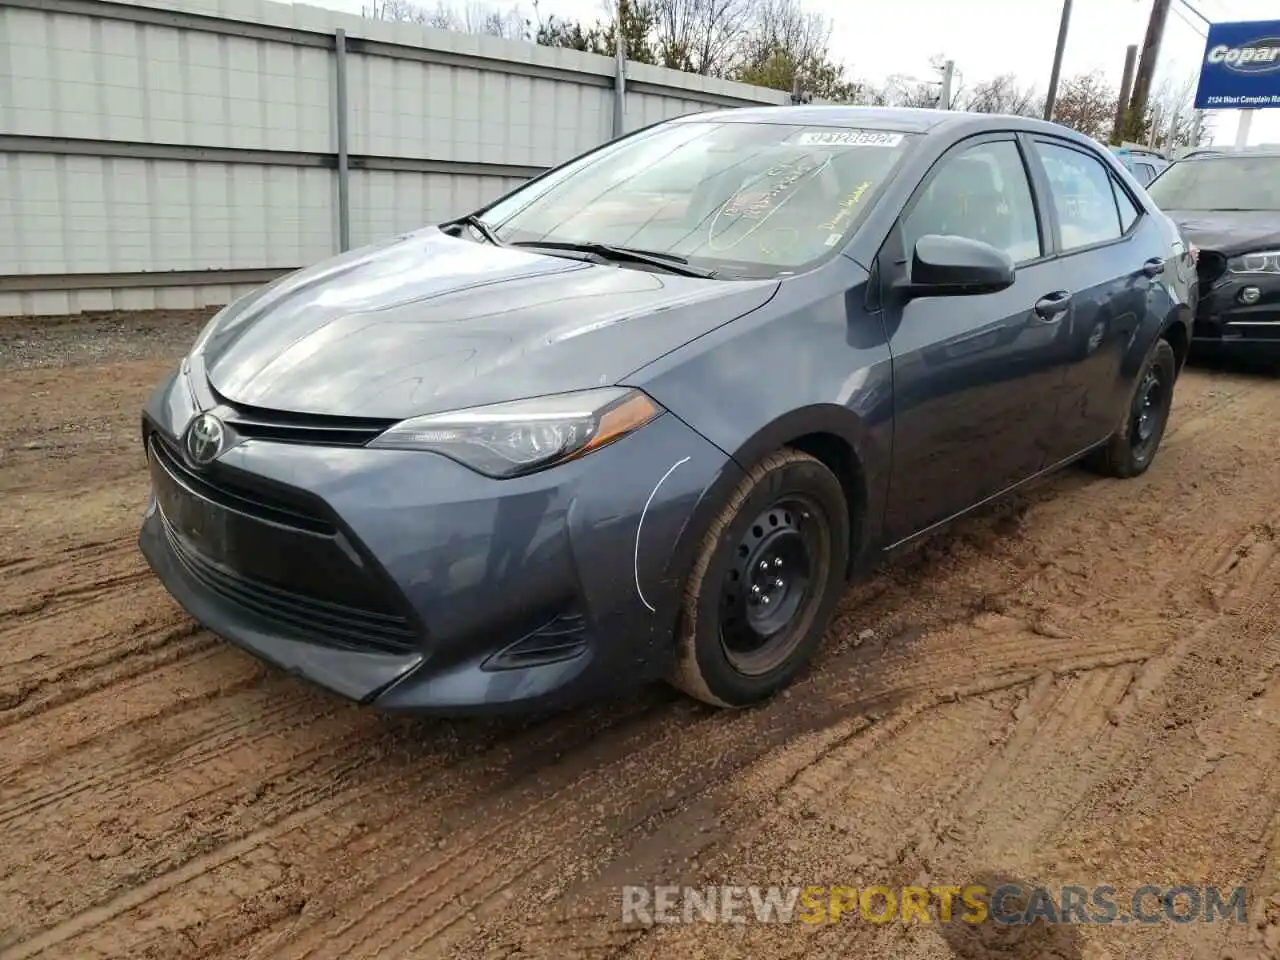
point(785, 39)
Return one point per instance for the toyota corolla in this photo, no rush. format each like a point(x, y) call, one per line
point(644, 416)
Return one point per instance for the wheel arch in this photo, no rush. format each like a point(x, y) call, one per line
point(1177, 331)
point(830, 433)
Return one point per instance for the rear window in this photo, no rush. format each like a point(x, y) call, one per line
point(1219, 183)
point(742, 199)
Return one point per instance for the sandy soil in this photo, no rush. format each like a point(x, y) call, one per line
point(1078, 688)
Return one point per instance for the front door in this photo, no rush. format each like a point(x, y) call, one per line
point(976, 379)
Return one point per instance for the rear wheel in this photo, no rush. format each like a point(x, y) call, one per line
point(769, 572)
point(1133, 447)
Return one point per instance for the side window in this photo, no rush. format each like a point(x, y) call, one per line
point(1082, 195)
point(980, 192)
point(1128, 211)
point(1144, 173)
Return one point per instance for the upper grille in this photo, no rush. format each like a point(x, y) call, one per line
point(283, 427)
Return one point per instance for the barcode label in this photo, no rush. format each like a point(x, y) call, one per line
point(848, 138)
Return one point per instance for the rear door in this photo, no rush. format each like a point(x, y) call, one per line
point(1102, 238)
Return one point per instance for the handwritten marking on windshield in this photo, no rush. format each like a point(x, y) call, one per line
point(764, 207)
point(845, 210)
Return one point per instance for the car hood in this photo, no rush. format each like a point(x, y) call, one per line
point(428, 322)
point(1229, 232)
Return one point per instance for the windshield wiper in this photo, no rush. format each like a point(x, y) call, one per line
point(480, 227)
point(654, 258)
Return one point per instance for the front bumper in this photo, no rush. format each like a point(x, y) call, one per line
point(1225, 324)
point(406, 581)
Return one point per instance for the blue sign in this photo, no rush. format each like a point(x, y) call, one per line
point(1241, 67)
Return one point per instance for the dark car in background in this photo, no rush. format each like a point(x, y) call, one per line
point(1145, 165)
point(645, 415)
point(1228, 205)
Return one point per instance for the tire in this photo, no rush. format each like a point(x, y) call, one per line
point(1132, 449)
point(789, 513)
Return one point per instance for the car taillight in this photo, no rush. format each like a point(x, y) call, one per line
point(1194, 253)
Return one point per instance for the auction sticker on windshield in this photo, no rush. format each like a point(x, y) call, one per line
point(847, 138)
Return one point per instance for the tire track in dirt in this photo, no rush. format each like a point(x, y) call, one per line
point(1071, 704)
point(400, 774)
point(150, 698)
point(148, 647)
point(31, 582)
point(302, 822)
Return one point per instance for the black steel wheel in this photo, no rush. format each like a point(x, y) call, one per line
point(769, 572)
point(769, 586)
point(1149, 411)
point(1133, 447)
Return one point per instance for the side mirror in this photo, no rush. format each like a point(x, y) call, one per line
point(948, 266)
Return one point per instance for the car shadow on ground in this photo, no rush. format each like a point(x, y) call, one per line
point(1236, 363)
point(1003, 940)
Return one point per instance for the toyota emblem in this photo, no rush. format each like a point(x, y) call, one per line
point(205, 438)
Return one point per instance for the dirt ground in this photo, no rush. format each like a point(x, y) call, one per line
point(1079, 688)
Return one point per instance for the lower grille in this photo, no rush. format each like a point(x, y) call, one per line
point(320, 620)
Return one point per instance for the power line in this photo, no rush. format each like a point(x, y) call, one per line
point(1195, 28)
point(1187, 4)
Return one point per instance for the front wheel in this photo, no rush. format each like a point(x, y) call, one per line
point(1133, 447)
point(769, 572)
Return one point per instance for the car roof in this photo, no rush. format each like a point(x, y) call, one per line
point(1266, 152)
point(897, 119)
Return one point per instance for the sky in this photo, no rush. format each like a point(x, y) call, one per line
point(986, 38)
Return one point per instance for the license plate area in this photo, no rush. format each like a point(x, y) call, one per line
point(207, 527)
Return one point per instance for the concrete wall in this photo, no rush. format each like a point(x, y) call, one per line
point(175, 155)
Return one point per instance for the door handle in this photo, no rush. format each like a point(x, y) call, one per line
point(1051, 307)
point(1153, 267)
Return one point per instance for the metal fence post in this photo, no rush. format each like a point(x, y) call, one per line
point(619, 78)
point(344, 176)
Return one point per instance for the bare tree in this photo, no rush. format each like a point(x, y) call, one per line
point(1171, 115)
point(784, 40)
point(900, 90)
point(473, 17)
point(1087, 103)
point(1003, 94)
point(700, 36)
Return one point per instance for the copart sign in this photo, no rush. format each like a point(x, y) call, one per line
point(1241, 67)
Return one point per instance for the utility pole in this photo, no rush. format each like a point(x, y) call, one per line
point(1126, 88)
point(1052, 95)
point(1150, 54)
point(948, 73)
point(1242, 128)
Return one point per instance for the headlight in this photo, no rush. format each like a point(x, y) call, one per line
point(509, 439)
point(1265, 261)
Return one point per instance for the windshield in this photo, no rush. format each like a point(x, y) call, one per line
point(742, 199)
point(1219, 183)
